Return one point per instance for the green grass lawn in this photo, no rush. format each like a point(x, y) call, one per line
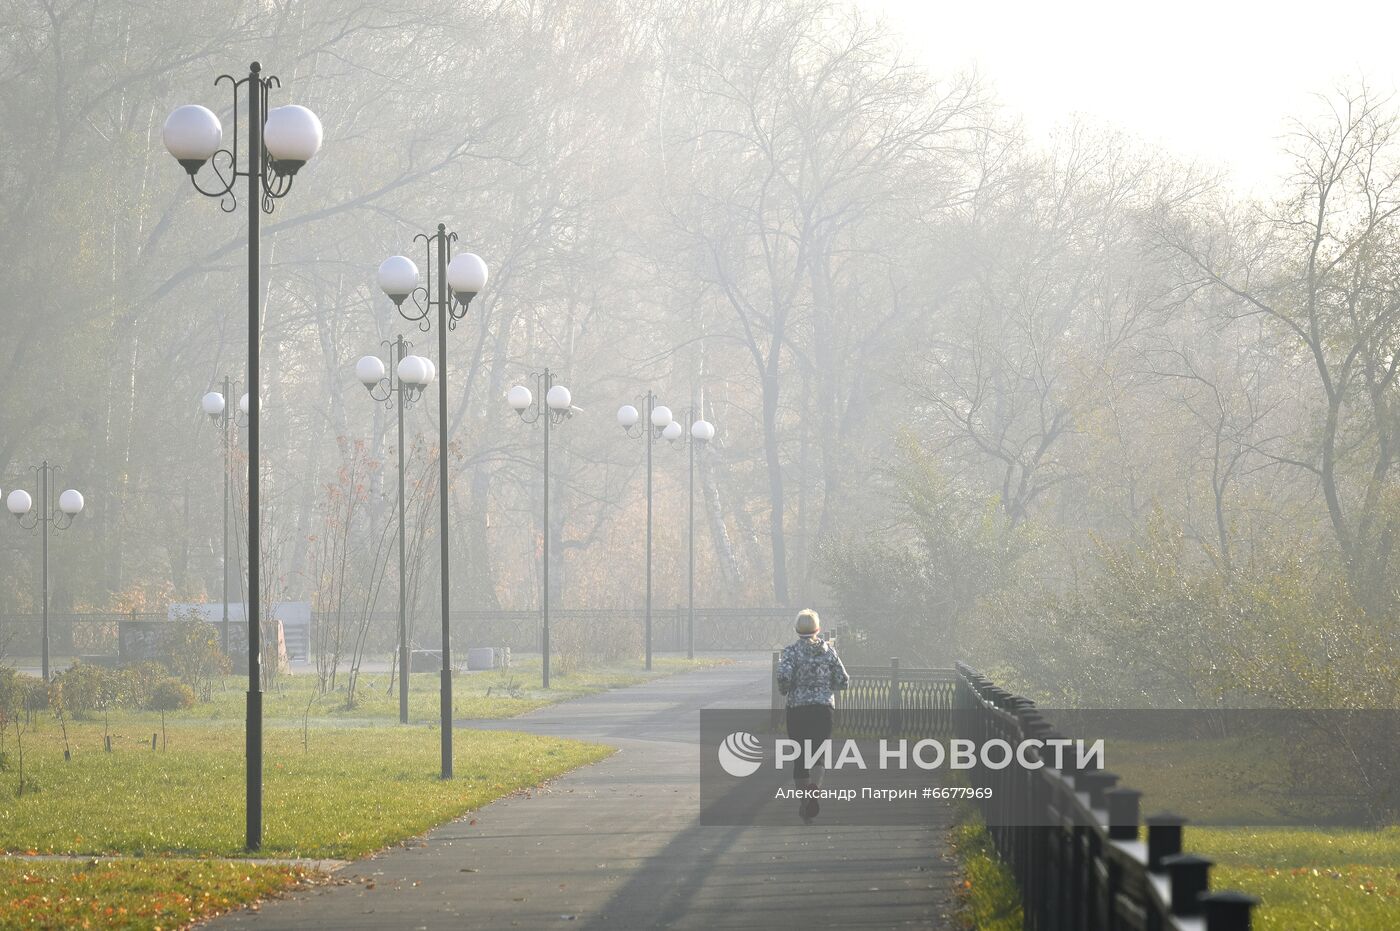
point(336, 792)
point(131, 894)
point(1344, 879)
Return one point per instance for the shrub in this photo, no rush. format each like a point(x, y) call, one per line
point(18, 697)
point(138, 682)
point(170, 695)
point(11, 695)
point(83, 688)
point(193, 654)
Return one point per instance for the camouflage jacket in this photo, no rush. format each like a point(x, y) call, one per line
point(810, 673)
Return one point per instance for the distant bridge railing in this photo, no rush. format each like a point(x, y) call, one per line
point(716, 629)
point(889, 701)
point(727, 629)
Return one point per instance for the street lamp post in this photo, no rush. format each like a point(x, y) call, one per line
point(215, 404)
point(553, 404)
point(450, 290)
point(403, 383)
point(70, 503)
point(280, 142)
point(701, 432)
point(658, 420)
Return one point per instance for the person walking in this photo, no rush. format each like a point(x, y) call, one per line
point(809, 676)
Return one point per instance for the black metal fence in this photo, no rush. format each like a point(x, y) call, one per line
point(87, 634)
point(1072, 836)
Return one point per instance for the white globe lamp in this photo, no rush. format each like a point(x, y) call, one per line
point(212, 404)
point(192, 134)
point(466, 276)
point(413, 370)
point(292, 135)
point(19, 502)
point(397, 277)
point(369, 370)
point(559, 398)
point(70, 502)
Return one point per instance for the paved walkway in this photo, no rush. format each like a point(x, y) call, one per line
point(618, 844)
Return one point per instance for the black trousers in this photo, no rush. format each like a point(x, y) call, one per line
point(810, 724)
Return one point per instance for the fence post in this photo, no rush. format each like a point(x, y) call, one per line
point(1190, 877)
point(895, 718)
point(1122, 813)
point(1163, 838)
point(1095, 783)
point(1228, 911)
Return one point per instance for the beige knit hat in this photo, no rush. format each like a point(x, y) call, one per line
point(808, 623)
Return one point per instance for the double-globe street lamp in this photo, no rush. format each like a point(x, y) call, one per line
point(551, 404)
point(449, 290)
point(70, 504)
point(280, 141)
point(401, 384)
point(701, 432)
point(658, 422)
point(215, 405)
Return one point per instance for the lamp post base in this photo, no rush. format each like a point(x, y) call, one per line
point(255, 761)
point(446, 719)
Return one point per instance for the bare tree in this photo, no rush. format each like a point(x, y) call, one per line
point(1320, 267)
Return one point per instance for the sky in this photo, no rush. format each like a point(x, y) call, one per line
point(1215, 83)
